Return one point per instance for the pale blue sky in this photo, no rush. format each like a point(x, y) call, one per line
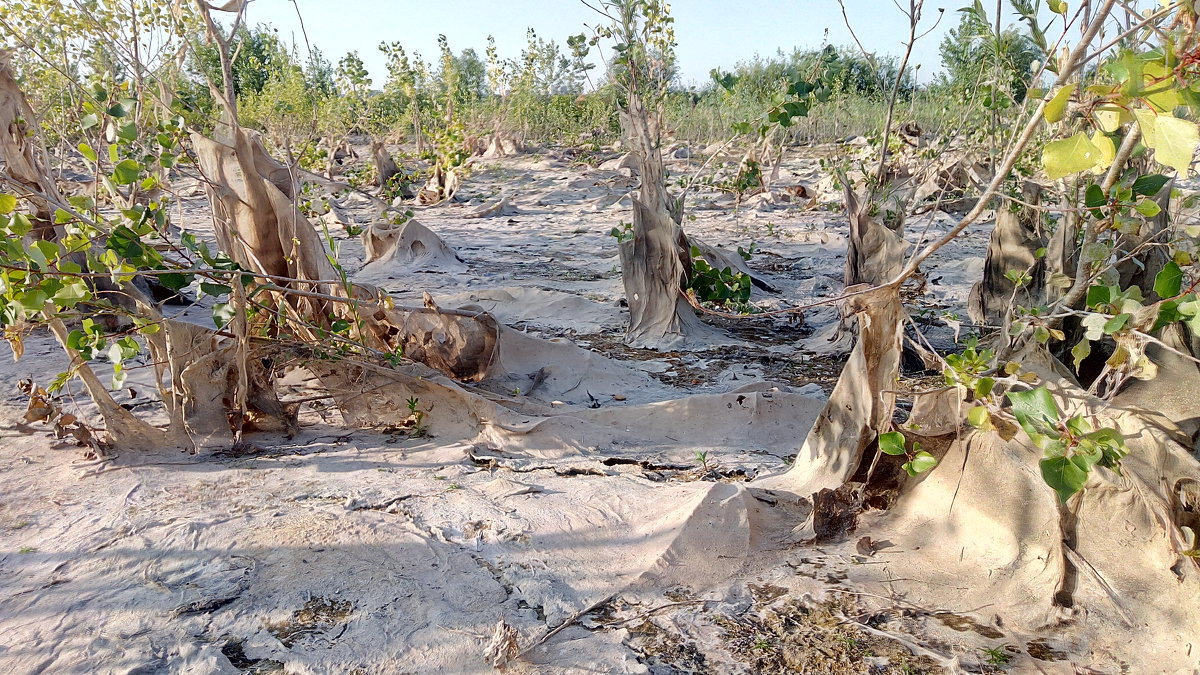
point(710, 33)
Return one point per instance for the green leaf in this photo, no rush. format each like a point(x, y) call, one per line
point(44, 253)
point(175, 281)
point(1069, 156)
point(19, 225)
point(1173, 140)
point(1057, 106)
point(126, 172)
point(1081, 351)
point(1168, 313)
point(127, 132)
point(214, 289)
point(1148, 186)
point(127, 348)
point(984, 386)
point(1063, 475)
point(1107, 148)
point(1116, 323)
point(920, 463)
point(87, 151)
point(72, 294)
point(1034, 409)
point(1057, 6)
point(89, 121)
point(33, 299)
point(1110, 117)
point(7, 204)
point(1095, 197)
point(978, 416)
point(1148, 208)
point(892, 443)
point(796, 109)
point(1098, 295)
point(1169, 281)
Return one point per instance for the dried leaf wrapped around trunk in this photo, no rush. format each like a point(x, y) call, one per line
point(254, 207)
point(461, 346)
point(1169, 399)
point(385, 166)
point(259, 225)
point(652, 270)
point(23, 158)
point(405, 244)
point(1062, 255)
point(440, 187)
point(656, 262)
point(1015, 240)
point(207, 373)
point(875, 253)
point(862, 403)
point(501, 144)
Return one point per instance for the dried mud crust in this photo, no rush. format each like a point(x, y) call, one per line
point(703, 368)
point(776, 635)
point(539, 270)
point(796, 638)
point(316, 618)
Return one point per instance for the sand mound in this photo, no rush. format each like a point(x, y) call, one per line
point(392, 251)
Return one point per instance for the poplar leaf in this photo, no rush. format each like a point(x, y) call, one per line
point(1057, 106)
point(1070, 156)
point(1173, 140)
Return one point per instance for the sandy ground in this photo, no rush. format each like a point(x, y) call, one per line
point(628, 521)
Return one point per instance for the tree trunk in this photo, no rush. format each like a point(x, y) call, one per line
point(1015, 240)
point(875, 253)
point(385, 166)
point(26, 161)
point(655, 263)
point(862, 403)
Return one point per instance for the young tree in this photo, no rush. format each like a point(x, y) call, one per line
point(655, 262)
point(974, 56)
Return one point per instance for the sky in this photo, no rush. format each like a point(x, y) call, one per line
point(709, 33)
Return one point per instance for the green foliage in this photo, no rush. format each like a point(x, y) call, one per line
point(997, 656)
point(1146, 89)
point(643, 50)
point(918, 461)
point(975, 57)
point(718, 286)
point(285, 108)
point(416, 418)
point(1070, 447)
point(622, 233)
point(781, 94)
point(1070, 156)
